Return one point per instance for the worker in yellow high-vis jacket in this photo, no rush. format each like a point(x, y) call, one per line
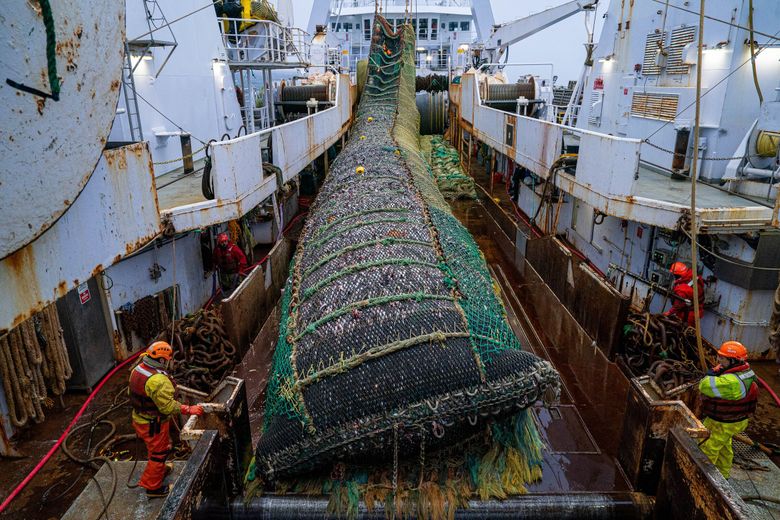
point(729, 394)
point(151, 392)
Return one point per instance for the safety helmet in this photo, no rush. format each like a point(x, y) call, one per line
point(160, 350)
point(734, 350)
point(222, 239)
point(679, 269)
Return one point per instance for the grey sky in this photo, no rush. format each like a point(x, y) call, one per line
point(560, 44)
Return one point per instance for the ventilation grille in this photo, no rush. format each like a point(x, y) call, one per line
point(655, 106)
point(594, 116)
point(681, 36)
point(651, 46)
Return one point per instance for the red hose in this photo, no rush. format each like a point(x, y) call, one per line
point(768, 389)
point(54, 448)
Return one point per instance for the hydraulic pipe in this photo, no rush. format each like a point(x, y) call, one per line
point(623, 505)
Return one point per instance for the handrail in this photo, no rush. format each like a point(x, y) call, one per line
point(263, 41)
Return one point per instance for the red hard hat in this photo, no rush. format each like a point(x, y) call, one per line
point(160, 350)
point(734, 350)
point(222, 238)
point(680, 269)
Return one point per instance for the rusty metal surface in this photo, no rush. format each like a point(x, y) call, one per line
point(244, 312)
point(202, 479)
point(237, 176)
point(598, 307)
point(609, 175)
point(127, 502)
point(50, 146)
point(755, 476)
point(646, 425)
point(691, 487)
point(116, 215)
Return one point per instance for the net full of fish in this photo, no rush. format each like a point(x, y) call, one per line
point(392, 337)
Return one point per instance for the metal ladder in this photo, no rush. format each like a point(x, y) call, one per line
point(131, 101)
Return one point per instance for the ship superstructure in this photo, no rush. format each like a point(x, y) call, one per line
point(445, 29)
point(136, 134)
point(625, 189)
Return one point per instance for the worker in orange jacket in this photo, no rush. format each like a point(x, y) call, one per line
point(151, 392)
point(682, 294)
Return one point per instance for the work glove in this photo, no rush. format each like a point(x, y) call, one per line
point(191, 410)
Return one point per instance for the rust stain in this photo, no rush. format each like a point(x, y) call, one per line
point(97, 270)
point(115, 85)
point(78, 32)
point(40, 103)
point(26, 290)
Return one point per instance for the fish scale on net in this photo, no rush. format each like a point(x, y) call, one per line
point(360, 360)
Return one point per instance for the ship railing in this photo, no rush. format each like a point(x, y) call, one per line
point(248, 42)
point(335, 5)
point(563, 114)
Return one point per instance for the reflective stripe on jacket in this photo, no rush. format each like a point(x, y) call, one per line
point(151, 394)
point(729, 395)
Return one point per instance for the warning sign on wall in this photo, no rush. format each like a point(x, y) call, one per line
point(84, 295)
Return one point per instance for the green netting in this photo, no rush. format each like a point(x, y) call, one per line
point(392, 338)
point(445, 167)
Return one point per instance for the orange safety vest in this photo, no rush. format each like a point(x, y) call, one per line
point(143, 404)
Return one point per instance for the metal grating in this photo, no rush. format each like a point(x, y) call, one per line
point(655, 106)
point(596, 97)
point(651, 46)
point(681, 36)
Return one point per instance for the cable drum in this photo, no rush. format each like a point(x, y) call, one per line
point(303, 93)
point(433, 112)
point(392, 340)
point(504, 96)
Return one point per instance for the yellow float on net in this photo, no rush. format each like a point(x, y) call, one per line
point(370, 119)
point(360, 170)
point(362, 138)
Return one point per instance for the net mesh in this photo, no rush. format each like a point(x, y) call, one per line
point(445, 168)
point(391, 333)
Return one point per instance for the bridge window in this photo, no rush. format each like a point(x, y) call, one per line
point(465, 26)
point(366, 29)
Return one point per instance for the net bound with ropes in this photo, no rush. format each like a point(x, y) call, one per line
point(393, 343)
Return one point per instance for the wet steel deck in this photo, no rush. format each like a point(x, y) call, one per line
point(656, 185)
point(177, 188)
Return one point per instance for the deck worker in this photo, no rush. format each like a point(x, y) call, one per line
point(230, 261)
point(151, 396)
point(682, 294)
point(729, 394)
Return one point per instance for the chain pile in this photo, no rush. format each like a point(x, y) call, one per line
point(202, 353)
point(146, 317)
point(662, 347)
point(33, 360)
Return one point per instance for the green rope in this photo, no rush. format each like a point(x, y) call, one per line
point(51, 58)
point(360, 245)
point(51, 49)
point(358, 214)
point(360, 267)
point(321, 241)
point(371, 302)
point(380, 350)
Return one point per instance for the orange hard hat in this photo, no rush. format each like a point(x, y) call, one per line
point(160, 350)
point(734, 350)
point(679, 269)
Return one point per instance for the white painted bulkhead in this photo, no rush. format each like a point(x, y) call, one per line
point(192, 92)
